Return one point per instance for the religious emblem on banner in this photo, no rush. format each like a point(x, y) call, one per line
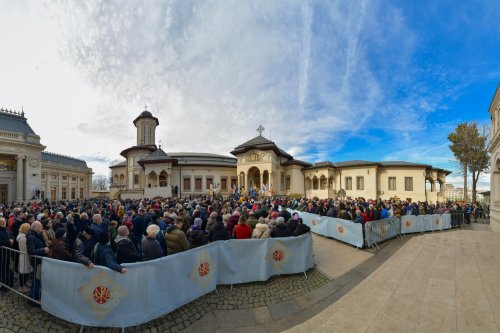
point(203, 270)
point(436, 221)
point(408, 224)
point(313, 222)
point(340, 229)
point(382, 230)
point(278, 255)
point(102, 293)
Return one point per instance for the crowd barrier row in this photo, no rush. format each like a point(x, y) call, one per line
point(378, 231)
point(148, 290)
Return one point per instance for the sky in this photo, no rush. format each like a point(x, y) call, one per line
point(328, 80)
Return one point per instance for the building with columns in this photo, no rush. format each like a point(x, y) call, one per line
point(149, 171)
point(494, 150)
point(28, 173)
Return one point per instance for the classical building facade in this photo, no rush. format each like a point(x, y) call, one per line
point(495, 162)
point(29, 173)
point(149, 171)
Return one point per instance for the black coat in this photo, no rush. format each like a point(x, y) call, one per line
point(125, 251)
point(301, 229)
point(36, 246)
point(217, 232)
point(104, 257)
point(6, 275)
point(281, 230)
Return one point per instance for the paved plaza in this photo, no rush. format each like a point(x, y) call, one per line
point(444, 281)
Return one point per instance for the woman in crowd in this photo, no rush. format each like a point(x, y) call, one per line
point(261, 229)
point(47, 231)
point(24, 265)
point(242, 230)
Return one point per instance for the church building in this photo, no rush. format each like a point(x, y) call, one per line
point(259, 164)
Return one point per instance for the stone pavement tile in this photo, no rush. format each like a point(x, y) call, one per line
point(317, 295)
point(284, 309)
point(435, 317)
point(469, 320)
point(235, 318)
point(207, 323)
point(402, 308)
point(495, 309)
point(353, 276)
point(247, 329)
point(383, 323)
point(439, 291)
point(262, 315)
point(443, 273)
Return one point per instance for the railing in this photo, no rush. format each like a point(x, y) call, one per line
point(20, 273)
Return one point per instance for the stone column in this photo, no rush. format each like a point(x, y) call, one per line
point(19, 179)
point(59, 187)
point(261, 179)
point(77, 192)
point(157, 180)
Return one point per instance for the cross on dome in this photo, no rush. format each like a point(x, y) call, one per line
point(260, 130)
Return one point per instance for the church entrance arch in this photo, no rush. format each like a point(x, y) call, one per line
point(254, 177)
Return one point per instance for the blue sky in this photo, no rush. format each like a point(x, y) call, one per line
point(329, 80)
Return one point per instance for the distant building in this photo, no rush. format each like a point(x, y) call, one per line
point(494, 149)
point(27, 172)
point(259, 164)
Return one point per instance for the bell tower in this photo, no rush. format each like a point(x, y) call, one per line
point(146, 128)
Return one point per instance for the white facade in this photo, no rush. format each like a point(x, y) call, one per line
point(494, 149)
point(148, 171)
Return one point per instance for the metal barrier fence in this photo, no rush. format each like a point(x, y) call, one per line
point(20, 273)
point(381, 230)
point(457, 220)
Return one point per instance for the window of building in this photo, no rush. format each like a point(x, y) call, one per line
point(360, 183)
point(54, 177)
point(287, 182)
point(65, 177)
point(82, 180)
point(282, 182)
point(52, 193)
point(348, 183)
point(197, 184)
point(43, 176)
point(392, 183)
point(73, 179)
point(234, 182)
point(223, 184)
point(136, 179)
point(209, 182)
point(81, 193)
point(187, 184)
point(63, 193)
point(408, 183)
point(315, 183)
point(73, 193)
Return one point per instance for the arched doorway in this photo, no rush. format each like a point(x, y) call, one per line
point(163, 179)
point(254, 178)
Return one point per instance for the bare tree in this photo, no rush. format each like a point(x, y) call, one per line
point(100, 183)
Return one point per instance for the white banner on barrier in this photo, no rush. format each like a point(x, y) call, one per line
point(422, 223)
point(105, 298)
point(343, 230)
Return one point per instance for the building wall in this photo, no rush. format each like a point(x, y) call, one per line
point(262, 161)
point(494, 149)
point(369, 174)
point(217, 174)
point(418, 175)
point(63, 182)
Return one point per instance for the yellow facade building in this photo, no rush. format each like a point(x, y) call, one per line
point(494, 149)
point(149, 171)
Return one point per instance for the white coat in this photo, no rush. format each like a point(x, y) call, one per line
point(24, 265)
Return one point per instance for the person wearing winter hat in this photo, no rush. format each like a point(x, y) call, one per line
point(293, 222)
point(232, 221)
point(60, 248)
point(218, 231)
point(252, 221)
point(195, 235)
point(151, 248)
point(281, 229)
point(125, 249)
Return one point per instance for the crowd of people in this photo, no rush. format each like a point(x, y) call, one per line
point(113, 232)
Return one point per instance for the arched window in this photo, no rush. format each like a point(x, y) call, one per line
point(315, 183)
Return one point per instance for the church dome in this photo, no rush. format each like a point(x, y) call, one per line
point(145, 114)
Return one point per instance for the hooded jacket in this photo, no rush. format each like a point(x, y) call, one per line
point(125, 250)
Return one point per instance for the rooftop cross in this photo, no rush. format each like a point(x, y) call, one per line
point(145, 108)
point(260, 129)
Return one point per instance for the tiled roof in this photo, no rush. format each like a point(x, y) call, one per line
point(203, 159)
point(354, 163)
point(156, 157)
point(403, 163)
point(65, 160)
point(258, 140)
point(121, 164)
point(325, 164)
point(14, 122)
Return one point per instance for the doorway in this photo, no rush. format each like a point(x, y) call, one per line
point(4, 198)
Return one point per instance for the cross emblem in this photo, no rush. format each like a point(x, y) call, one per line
point(260, 130)
point(145, 108)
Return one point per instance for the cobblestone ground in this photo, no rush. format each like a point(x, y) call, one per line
point(17, 316)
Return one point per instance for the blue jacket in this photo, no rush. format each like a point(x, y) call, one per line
point(384, 214)
point(103, 256)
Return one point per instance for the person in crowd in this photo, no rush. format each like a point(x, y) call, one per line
point(252, 221)
point(242, 230)
point(151, 248)
point(285, 214)
point(103, 255)
point(81, 221)
point(211, 220)
point(218, 231)
point(384, 213)
point(126, 251)
point(24, 266)
point(176, 238)
point(196, 236)
point(293, 222)
point(281, 229)
point(83, 246)
point(6, 240)
point(112, 234)
point(96, 227)
point(232, 221)
point(261, 229)
point(35, 242)
point(139, 227)
point(301, 228)
point(47, 231)
point(359, 218)
point(60, 248)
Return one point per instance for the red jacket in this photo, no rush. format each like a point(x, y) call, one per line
point(242, 231)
